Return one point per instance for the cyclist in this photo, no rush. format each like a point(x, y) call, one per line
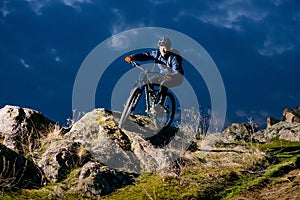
point(170, 64)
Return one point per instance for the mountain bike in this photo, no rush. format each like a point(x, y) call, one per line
point(161, 118)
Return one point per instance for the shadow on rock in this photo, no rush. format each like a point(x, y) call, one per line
point(163, 137)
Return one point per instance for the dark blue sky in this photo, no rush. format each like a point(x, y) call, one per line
point(255, 45)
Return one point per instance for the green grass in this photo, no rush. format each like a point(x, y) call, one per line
point(196, 181)
point(277, 146)
point(210, 178)
point(187, 186)
point(284, 157)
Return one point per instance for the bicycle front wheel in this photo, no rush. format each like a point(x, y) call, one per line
point(166, 116)
point(130, 105)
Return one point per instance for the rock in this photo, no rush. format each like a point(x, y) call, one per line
point(17, 172)
point(95, 179)
point(98, 132)
point(119, 149)
point(104, 156)
point(281, 130)
point(22, 128)
point(291, 115)
point(95, 157)
point(60, 158)
point(240, 132)
point(287, 129)
point(271, 121)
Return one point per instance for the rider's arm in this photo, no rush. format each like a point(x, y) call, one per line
point(176, 64)
point(144, 56)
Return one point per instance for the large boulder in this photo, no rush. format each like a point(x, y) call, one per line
point(17, 172)
point(95, 179)
point(102, 156)
point(126, 150)
point(240, 132)
point(61, 158)
point(290, 115)
point(271, 121)
point(281, 130)
point(286, 129)
point(21, 128)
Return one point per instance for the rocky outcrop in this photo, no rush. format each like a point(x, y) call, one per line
point(291, 116)
point(286, 129)
point(271, 121)
point(96, 157)
point(106, 156)
point(288, 115)
point(240, 132)
point(21, 128)
point(17, 172)
point(281, 130)
point(96, 179)
point(125, 150)
point(59, 159)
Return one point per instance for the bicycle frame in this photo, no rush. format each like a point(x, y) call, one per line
point(144, 84)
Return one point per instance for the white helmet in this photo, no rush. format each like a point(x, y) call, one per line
point(165, 41)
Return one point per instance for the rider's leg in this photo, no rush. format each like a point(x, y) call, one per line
point(162, 95)
point(168, 83)
point(164, 85)
point(154, 81)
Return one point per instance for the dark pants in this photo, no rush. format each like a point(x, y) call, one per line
point(164, 84)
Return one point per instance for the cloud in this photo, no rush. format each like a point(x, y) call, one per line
point(118, 41)
point(251, 113)
point(119, 25)
point(296, 17)
point(272, 47)
point(53, 53)
point(277, 2)
point(281, 37)
point(278, 28)
point(159, 2)
point(241, 113)
point(57, 59)
point(25, 64)
point(121, 41)
point(4, 10)
point(37, 5)
point(257, 116)
point(75, 3)
point(228, 14)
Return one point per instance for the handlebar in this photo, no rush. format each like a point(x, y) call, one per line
point(134, 64)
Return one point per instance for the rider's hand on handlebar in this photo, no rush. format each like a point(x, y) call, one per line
point(168, 76)
point(128, 59)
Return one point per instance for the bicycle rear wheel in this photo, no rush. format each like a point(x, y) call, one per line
point(130, 105)
point(165, 117)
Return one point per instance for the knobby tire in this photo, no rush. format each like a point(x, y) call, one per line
point(130, 105)
point(170, 100)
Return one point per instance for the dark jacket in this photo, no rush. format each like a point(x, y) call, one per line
point(171, 65)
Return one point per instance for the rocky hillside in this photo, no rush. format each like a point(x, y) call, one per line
point(92, 159)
